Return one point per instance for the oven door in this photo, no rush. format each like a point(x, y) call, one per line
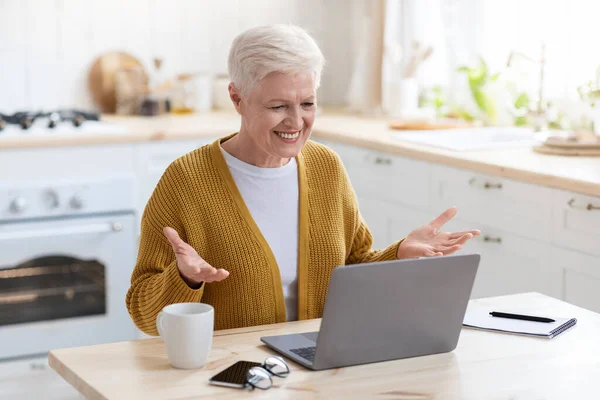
point(63, 283)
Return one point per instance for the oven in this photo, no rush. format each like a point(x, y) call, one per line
point(67, 250)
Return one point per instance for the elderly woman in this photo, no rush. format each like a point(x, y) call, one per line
point(255, 222)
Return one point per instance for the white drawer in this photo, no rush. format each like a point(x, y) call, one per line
point(375, 215)
point(33, 379)
point(509, 263)
point(154, 158)
point(387, 177)
point(576, 222)
point(158, 156)
point(63, 162)
point(389, 222)
point(580, 278)
point(404, 220)
point(497, 202)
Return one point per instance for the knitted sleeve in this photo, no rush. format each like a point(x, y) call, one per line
point(155, 281)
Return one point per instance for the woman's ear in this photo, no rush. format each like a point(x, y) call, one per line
point(235, 97)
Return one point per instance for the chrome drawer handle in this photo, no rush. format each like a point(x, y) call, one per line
point(383, 161)
point(589, 206)
point(491, 239)
point(484, 185)
point(37, 366)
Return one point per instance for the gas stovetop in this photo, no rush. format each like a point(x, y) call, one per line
point(26, 123)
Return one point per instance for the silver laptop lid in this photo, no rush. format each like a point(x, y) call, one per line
point(394, 309)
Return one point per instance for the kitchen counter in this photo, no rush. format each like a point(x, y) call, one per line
point(485, 365)
point(139, 129)
point(576, 174)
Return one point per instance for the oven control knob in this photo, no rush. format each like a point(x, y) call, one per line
point(77, 202)
point(18, 205)
point(51, 199)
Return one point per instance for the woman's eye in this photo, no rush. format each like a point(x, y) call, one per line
point(308, 104)
point(277, 107)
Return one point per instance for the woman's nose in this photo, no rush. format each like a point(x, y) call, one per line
point(294, 118)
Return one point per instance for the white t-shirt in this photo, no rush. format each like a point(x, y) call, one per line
point(271, 195)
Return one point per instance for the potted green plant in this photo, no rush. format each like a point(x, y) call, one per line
point(479, 80)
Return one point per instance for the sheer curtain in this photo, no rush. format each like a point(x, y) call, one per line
point(462, 30)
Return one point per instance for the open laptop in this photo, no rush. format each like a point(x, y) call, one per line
point(386, 311)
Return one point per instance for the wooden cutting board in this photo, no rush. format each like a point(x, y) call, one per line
point(425, 126)
point(101, 78)
point(561, 151)
point(579, 144)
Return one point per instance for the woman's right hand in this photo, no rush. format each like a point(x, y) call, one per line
point(192, 268)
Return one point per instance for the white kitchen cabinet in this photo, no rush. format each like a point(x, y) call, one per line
point(521, 223)
point(402, 220)
point(376, 219)
point(515, 220)
point(152, 159)
point(576, 222)
point(389, 222)
point(393, 192)
point(579, 277)
point(66, 163)
point(509, 263)
point(512, 206)
point(33, 379)
point(382, 176)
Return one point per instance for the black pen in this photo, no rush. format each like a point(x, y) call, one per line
point(519, 316)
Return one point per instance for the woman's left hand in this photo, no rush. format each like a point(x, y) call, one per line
point(428, 241)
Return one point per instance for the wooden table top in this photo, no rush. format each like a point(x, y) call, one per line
point(485, 365)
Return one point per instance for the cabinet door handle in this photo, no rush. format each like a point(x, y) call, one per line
point(484, 185)
point(491, 239)
point(37, 366)
point(588, 206)
point(383, 161)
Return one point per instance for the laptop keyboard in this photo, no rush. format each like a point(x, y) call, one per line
point(308, 353)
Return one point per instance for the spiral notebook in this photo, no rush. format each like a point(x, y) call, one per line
point(479, 318)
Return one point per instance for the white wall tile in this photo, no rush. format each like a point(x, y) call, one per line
point(47, 67)
point(12, 81)
point(13, 74)
point(224, 28)
point(166, 18)
point(109, 25)
point(12, 14)
point(76, 54)
point(338, 52)
point(42, 38)
point(196, 37)
point(135, 15)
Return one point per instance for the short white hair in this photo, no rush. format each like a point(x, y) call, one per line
point(260, 51)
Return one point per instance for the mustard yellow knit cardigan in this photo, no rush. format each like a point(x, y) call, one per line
point(197, 196)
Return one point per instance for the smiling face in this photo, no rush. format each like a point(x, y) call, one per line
point(277, 119)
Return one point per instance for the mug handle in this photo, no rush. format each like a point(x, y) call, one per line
point(159, 320)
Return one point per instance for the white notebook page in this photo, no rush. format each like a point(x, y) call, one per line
point(478, 317)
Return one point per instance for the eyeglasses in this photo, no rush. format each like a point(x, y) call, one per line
point(260, 376)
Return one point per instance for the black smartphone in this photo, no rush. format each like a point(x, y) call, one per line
point(234, 375)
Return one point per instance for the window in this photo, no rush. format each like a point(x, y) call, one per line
point(462, 30)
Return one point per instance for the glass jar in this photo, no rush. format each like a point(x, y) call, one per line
point(184, 94)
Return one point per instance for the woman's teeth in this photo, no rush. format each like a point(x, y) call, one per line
point(286, 135)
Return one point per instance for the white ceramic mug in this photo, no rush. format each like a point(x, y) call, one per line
point(187, 330)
